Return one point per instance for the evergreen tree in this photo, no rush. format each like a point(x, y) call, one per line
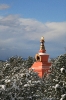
point(29, 61)
point(55, 82)
point(19, 83)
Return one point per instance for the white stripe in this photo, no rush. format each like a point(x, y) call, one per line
point(43, 54)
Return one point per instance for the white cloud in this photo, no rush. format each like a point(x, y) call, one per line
point(4, 6)
point(58, 29)
point(21, 33)
point(50, 30)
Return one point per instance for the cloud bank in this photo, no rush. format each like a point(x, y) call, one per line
point(22, 34)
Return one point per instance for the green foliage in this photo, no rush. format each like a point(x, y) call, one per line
point(15, 61)
point(19, 83)
point(55, 82)
point(29, 61)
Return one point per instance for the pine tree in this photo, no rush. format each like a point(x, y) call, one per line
point(55, 82)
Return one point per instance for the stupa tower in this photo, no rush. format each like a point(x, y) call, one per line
point(41, 66)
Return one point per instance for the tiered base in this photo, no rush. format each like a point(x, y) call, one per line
point(41, 68)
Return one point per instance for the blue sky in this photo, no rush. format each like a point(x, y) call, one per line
point(23, 22)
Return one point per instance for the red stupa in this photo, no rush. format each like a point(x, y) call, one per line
point(41, 66)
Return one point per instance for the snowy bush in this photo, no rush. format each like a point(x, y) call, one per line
point(19, 83)
point(63, 97)
point(63, 70)
point(2, 87)
point(56, 80)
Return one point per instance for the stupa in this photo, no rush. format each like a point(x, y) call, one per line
point(42, 64)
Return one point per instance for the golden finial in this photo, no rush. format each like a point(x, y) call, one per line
point(42, 47)
point(42, 38)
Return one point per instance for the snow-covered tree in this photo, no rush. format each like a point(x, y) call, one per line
point(55, 82)
point(17, 82)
